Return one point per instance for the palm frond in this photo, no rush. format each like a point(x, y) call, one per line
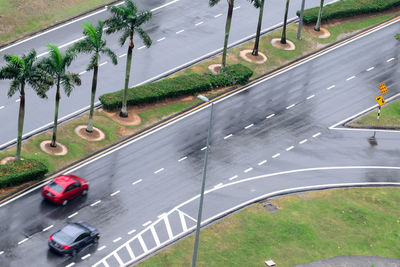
point(55, 56)
point(143, 17)
point(212, 3)
point(14, 87)
point(256, 3)
point(131, 6)
point(107, 51)
point(124, 36)
point(68, 82)
point(94, 61)
point(145, 37)
point(90, 32)
point(84, 46)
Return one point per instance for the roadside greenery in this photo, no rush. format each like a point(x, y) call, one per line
point(21, 171)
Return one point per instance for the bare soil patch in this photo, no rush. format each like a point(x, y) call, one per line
point(96, 135)
point(247, 55)
point(323, 33)
point(7, 160)
point(276, 42)
point(59, 150)
point(215, 68)
point(132, 119)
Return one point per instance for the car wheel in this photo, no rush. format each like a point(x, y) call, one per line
point(84, 192)
point(96, 240)
point(74, 252)
point(64, 202)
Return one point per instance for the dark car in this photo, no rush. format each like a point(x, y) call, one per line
point(73, 237)
point(64, 188)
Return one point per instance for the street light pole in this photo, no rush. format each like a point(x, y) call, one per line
point(196, 241)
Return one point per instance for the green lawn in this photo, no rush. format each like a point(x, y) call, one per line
point(307, 227)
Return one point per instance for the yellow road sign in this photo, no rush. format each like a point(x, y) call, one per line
point(383, 88)
point(380, 100)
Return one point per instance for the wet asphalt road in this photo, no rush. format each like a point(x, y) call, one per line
point(146, 190)
point(203, 34)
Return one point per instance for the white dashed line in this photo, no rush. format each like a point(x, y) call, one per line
point(249, 126)
point(199, 23)
point(311, 96)
point(262, 162)
point(136, 182)
point(270, 116)
point(116, 192)
point(85, 257)
point(178, 32)
point(390, 59)
point(218, 185)
point(17, 100)
point(276, 155)
point(1, 252)
point(316, 135)
point(72, 215)
point(236, 7)
point(131, 232)
point(83, 72)
point(47, 228)
point(160, 170)
point(122, 55)
point(101, 248)
point(70, 265)
point(161, 39)
point(182, 159)
point(350, 78)
point(228, 136)
point(22, 241)
point(117, 239)
point(102, 64)
point(289, 148)
point(95, 203)
point(146, 223)
point(140, 48)
point(218, 15)
point(2, 107)
point(370, 68)
point(292, 105)
point(330, 87)
point(204, 148)
point(303, 141)
point(247, 170)
point(233, 177)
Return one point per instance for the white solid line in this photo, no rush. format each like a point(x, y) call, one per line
point(247, 170)
point(102, 64)
point(161, 39)
point(95, 203)
point(155, 236)
point(292, 105)
point(249, 126)
point(101, 248)
point(22, 241)
point(236, 7)
point(122, 55)
point(118, 258)
point(140, 48)
point(136, 182)
point(303, 141)
point(85, 257)
point(262, 162)
point(178, 32)
point(117, 239)
point(182, 159)
point(350, 78)
point(270, 116)
point(141, 241)
point(390, 59)
point(311, 96)
point(204, 148)
point(116, 192)
point(228, 136)
point(317, 134)
point(146, 223)
point(370, 68)
point(276, 155)
point(218, 185)
point(167, 4)
point(168, 226)
point(129, 249)
point(1, 107)
point(199, 23)
point(218, 15)
point(17, 100)
point(70, 265)
point(161, 215)
point(47, 228)
point(289, 148)
point(233, 177)
point(72, 215)
point(183, 221)
point(1, 252)
point(330, 87)
point(83, 72)
point(131, 231)
point(159, 170)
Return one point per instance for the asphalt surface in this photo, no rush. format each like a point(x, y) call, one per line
point(144, 194)
point(203, 33)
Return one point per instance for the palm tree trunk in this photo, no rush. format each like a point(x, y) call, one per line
point(283, 39)
point(124, 111)
point(89, 128)
point(21, 116)
point(58, 97)
point(255, 49)
point(318, 25)
point(227, 30)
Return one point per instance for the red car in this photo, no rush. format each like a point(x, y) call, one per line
point(64, 188)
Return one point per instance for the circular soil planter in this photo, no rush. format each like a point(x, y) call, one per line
point(322, 33)
point(7, 160)
point(215, 68)
point(276, 42)
point(59, 150)
point(96, 135)
point(246, 55)
point(132, 119)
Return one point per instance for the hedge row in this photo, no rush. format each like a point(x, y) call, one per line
point(181, 85)
point(18, 172)
point(348, 8)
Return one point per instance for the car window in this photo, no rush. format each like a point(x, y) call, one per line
point(63, 237)
point(76, 185)
point(77, 182)
point(82, 236)
point(56, 187)
point(69, 188)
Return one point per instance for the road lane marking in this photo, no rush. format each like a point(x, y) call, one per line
point(101, 248)
point(316, 135)
point(70, 265)
point(146, 223)
point(233, 177)
point(249, 126)
point(1, 252)
point(270, 116)
point(247, 170)
point(199, 23)
point(120, 262)
point(183, 221)
point(262, 162)
point(141, 241)
point(350, 78)
point(116, 192)
point(129, 249)
point(303, 141)
point(155, 236)
point(370, 68)
point(390, 59)
point(2, 107)
point(131, 231)
point(178, 32)
point(168, 227)
point(22, 241)
point(117, 239)
point(140, 48)
point(47, 228)
point(182, 159)
point(161, 215)
point(17, 100)
point(102, 64)
point(289, 107)
point(83, 72)
point(218, 185)
point(218, 15)
point(228, 136)
point(85, 257)
point(289, 148)
point(95, 203)
point(136, 182)
point(330, 87)
point(236, 7)
point(159, 170)
point(161, 39)
point(204, 148)
point(72, 215)
point(122, 55)
point(311, 96)
point(276, 155)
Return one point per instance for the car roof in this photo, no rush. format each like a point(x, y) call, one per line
point(64, 180)
point(73, 229)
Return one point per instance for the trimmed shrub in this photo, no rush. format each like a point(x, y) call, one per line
point(178, 86)
point(18, 172)
point(348, 8)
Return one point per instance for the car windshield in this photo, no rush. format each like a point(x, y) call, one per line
point(63, 237)
point(56, 187)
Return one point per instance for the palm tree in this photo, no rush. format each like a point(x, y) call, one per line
point(227, 26)
point(127, 19)
point(21, 71)
point(93, 44)
point(258, 4)
point(318, 25)
point(283, 38)
point(56, 65)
